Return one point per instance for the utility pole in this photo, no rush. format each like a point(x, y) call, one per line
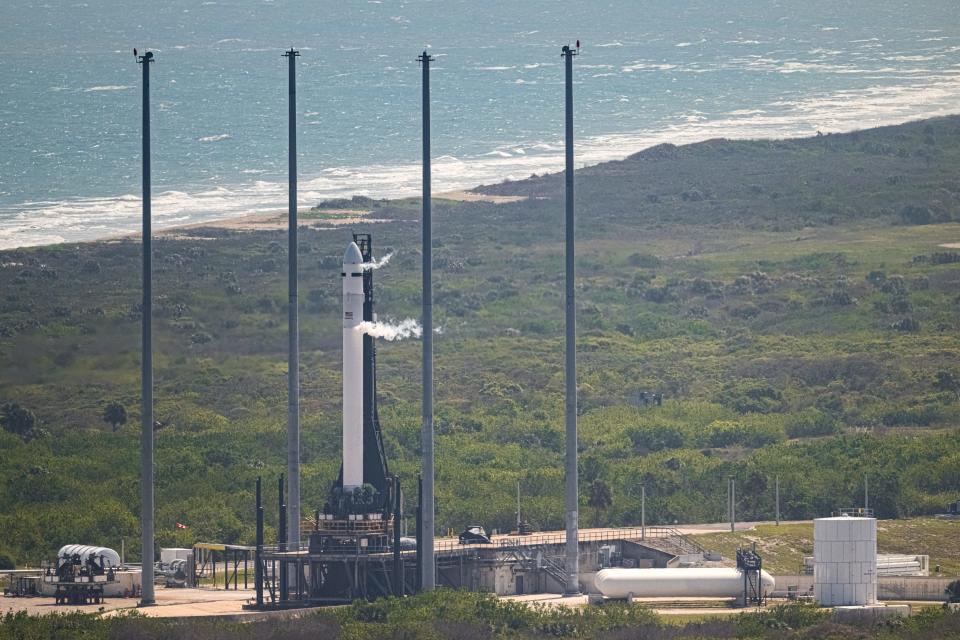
point(572, 586)
point(866, 494)
point(732, 497)
point(643, 510)
point(518, 506)
point(146, 361)
point(293, 329)
point(428, 579)
point(777, 489)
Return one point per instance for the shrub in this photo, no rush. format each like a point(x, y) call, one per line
point(810, 422)
point(944, 257)
point(924, 416)
point(659, 294)
point(750, 396)
point(906, 325)
point(726, 433)
point(782, 616)
point(655, 438)
point(912, 214)
point(19, 421)
point(643, 260)
point(90, 267)
point(201, 337)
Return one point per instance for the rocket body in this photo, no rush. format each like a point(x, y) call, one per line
point(353, 298)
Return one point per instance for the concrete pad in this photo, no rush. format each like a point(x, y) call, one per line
point(170, 603)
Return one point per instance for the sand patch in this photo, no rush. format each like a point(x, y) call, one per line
point(470, 196)
point(951, 245)
point(277, 221)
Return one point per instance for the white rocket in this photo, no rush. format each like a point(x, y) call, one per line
point(352, 367)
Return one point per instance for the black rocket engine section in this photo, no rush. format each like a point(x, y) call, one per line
point(375, 471)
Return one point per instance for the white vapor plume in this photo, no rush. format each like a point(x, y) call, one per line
point(408, 328)
point(376, 264)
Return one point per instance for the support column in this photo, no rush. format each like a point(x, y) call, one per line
point(427, 507)
point(293, 330)
point(572, 586)
point(146, 375)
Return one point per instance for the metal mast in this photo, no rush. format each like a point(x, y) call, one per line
point(146, 360)
point(428, 568)
point(572, 499)
point(293, 331)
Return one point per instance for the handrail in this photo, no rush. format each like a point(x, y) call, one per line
point(854, 512)
point(449, 545)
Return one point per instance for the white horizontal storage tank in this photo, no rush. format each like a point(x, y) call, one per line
point(675, 583)
point(845, 561)
point(110, 557)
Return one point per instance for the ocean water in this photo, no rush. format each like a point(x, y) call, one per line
point(650, 71)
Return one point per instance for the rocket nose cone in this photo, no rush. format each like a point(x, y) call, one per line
point(353, 255)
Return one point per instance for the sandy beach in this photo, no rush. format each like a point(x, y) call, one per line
point(317, 218)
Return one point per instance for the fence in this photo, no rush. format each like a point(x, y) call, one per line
point(888, 588)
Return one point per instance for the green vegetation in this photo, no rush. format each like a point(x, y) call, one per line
point(468, 616)
point(811, 335)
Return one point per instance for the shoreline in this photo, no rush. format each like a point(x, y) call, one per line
point(275, 218)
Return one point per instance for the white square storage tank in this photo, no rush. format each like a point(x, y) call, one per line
point(844, 560)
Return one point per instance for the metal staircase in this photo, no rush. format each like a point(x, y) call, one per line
point(536, 557)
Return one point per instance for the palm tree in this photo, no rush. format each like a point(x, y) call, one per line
point(115, 414)
point(600, 498)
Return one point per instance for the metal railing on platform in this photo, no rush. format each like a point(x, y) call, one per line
point(452, 546)
point(674, 536)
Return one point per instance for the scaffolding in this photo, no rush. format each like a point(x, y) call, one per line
point(750, 564)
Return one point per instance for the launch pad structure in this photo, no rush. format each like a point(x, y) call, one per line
point(353, 547)
point(360, 566)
